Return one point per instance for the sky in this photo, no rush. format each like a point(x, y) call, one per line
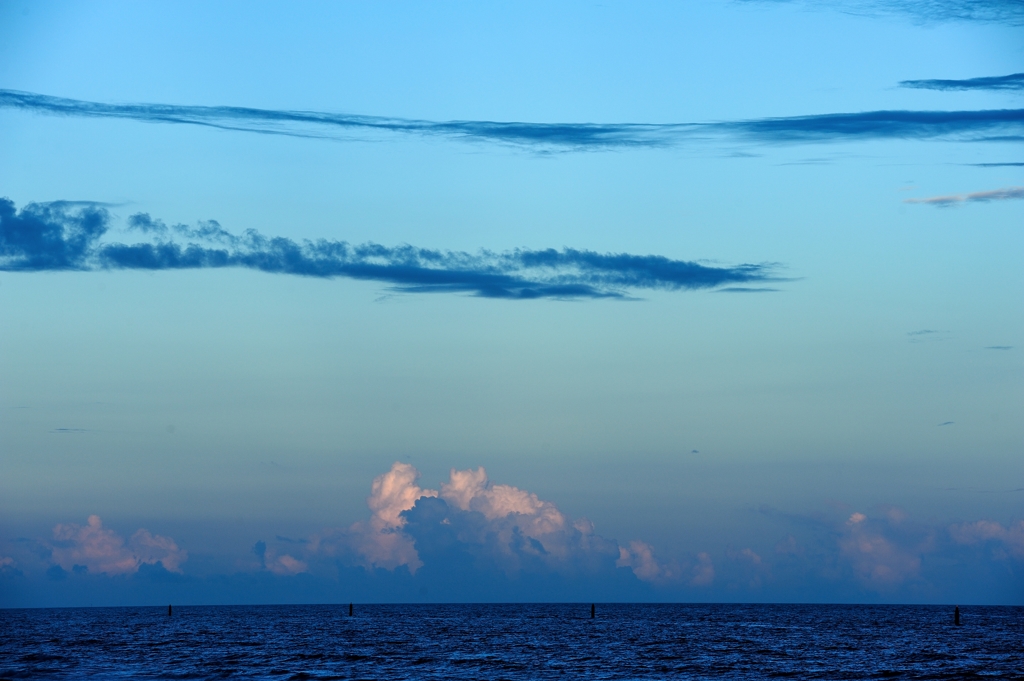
point(715, 301)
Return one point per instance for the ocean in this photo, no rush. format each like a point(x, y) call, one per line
point(513, 641)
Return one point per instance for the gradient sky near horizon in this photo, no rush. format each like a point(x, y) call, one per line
point(724, 296)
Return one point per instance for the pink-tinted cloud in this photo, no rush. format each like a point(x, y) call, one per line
point(982, 531)
point(470, 490)
point(789, 547)
point(510, 529)
point(639, 557)
point(379, 542)
point(285, 564)
point(877, 560)
point(753, 565)
point(104, 551)
point(703, 572)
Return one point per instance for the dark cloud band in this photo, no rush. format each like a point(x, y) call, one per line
point(68, 236)
point(1014, 81)
point(334, 125)
point(920, 125)
point(963, 125)
point(1009, 12)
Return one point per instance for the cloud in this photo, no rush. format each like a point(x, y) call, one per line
point(1013, 164)
point(639, 557)
point(319, 124)
point(754, 570)
point(703, 571)
point(927, 336)
point(286, 565)
point(472, 525)
point(58, 235)
point(94, 549)
point(1007, 194)
point(789, 546)
point(55, 236)
point(999, 347)
point(283, 564)
point(989, 531)
point(873, 125)
point(877, 560)
point(933, 11)
point(746, 289)
point(379, 542)
point(1014, 81)
point(470, 490)
point(960, 125)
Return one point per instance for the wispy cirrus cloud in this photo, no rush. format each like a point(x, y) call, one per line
point(993, 11)
point(63, 236)
point(815, 128)
point(1014, 81)
point(997, 11)
point(338, 125)
point(871, 125)
point(1006, 194)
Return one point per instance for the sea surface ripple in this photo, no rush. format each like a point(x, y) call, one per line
point(506, 641)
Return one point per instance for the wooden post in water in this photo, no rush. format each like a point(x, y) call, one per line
point(592, 610)
point(956, 616)
point(168, 611)
point(349, 609)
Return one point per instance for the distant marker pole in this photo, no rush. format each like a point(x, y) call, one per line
point(592, 611)
point(956, 616)
point(349, 609)
point(168, 611)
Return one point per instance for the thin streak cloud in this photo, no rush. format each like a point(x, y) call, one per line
point(921, 125)
point(57, 236)
point(1014, 81)
point(1007, 194)
point(870, 125)
point(989, 11)
point(320, 124)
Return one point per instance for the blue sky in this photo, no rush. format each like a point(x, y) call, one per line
point(708, 301)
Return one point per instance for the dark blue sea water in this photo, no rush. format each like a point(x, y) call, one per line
point(513, 642)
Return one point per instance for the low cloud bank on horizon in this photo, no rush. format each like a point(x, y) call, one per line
point(473, 536)
point(495, 528)
point(867, 125)
point(67, 235)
